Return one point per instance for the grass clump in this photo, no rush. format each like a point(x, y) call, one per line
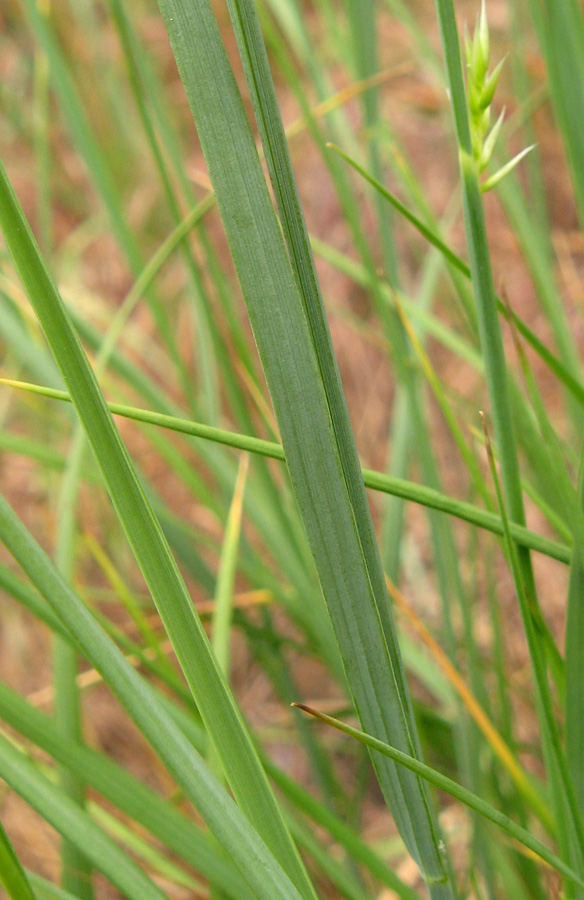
point(181, 562)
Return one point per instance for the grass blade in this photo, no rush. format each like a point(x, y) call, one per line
point(298, 361)
point(12, 876)
point(570, 380)
point(120, 788)
point(70, 820)
point(377, 481)
point(237, 753)
point(454, 790)
point(230, 826)
point(562, 38)
point(574, 663)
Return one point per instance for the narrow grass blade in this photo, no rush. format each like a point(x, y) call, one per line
point(343, 881)
point(223, 609)
point(562, 38)
point(307, 803)
point(75, 868)
point(569, 824)
point(123, 790)
point(143, 850)
point(482, 276)
point(377, 481)
point(70, 820)
point(266, 878)
point(205, 359)
point(341, 832)
point(566, 812)
point(575, 663)
point(570, 381)
point(363, 26)
point(31, 600)
point(217, 706)
point(46, 890)
point(499, 747)
point(43, 149)
point(12, 876)
point(97, 164)
point(443, 783)
point(168, 825)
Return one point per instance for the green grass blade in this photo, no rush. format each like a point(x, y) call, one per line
point(562, 38)
point(305, 388)
point(455, 790)
point(223, 610)
point(123, 790)
point(357, 848)
point(206, 365)
point(158, 863)
point(169, 592)
point(98, 165)
point(75, 869)
point(30, 599)
point(567, 815)
point(230, 826)
point(574, 663)
point(70, 820)
point(377, 481)
point(306, 803)
point(480, 266)
point(46, 890)
point(12, 876)
point(343, 881)
point(572, 382)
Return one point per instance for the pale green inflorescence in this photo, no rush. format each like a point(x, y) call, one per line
point(481, 85)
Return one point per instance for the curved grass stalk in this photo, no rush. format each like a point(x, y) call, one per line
point(455, 790)
point(377, 481)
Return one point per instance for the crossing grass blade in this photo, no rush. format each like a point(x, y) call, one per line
point(46, 890)
point(126, 793)
point(170, 827)
point(455, 790)
point(377, 481)
point(123, 790)
point(568, 375)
